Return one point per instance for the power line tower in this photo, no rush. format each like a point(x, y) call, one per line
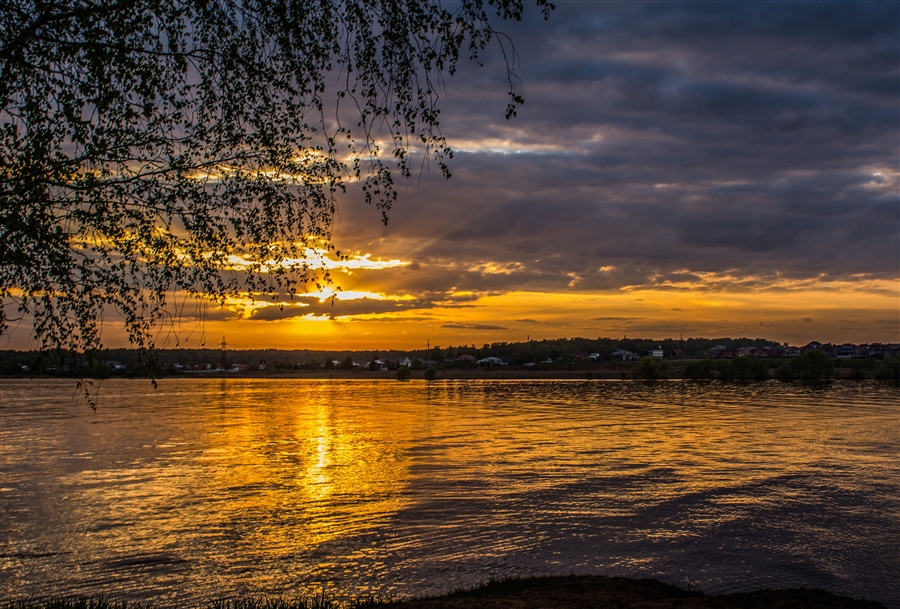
point(224, 346)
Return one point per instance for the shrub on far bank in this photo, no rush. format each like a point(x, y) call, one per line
point(747, 367)
point(742, 368)
point(700, 370)
point(402, 373)
point(813, 365)
point(651, 368)
point(430, 373)
point(889, 369)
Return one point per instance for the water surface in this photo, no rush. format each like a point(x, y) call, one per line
point(205, 488)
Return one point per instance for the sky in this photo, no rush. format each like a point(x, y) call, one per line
point(702, 169)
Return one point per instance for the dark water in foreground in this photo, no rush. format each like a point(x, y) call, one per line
point(206, 488)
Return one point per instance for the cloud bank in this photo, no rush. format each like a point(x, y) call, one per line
point(677, 167)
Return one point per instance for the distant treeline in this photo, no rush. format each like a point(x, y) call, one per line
point(516, 354)
point(562, 353)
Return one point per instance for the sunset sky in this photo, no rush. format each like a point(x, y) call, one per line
point(705, 169)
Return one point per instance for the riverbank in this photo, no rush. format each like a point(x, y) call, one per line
point(584, 591)
point(602, 371)
point(497, 373)
point(566, 592)
point(490, 373)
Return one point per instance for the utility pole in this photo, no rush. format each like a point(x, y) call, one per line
point(224, 357)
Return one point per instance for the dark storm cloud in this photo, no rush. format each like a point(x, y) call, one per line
point(626, 319)
point(301, 306)
point(319, 309)
point(658, 141)
point(472, 326)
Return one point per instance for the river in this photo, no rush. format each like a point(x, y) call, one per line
point(207, 488)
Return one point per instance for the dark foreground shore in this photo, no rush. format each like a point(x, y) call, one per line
point(587, 591)
point(566, 592)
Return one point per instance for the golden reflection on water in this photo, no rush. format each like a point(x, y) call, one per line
point(207, 487)
point(306, 472)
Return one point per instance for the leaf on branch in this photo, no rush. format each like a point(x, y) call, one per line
point(145, 145)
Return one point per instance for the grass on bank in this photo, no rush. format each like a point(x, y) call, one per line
point(565, 592)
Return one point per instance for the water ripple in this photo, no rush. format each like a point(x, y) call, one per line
point(208, 488)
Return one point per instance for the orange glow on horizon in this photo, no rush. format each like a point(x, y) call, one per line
point(794, 317)
point(366, 314)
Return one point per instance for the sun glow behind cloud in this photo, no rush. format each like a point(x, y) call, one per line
point(379, 306)
point(794, 312)
point(317, 258)
point(329, 293)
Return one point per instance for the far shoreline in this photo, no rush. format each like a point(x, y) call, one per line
point(495, 373)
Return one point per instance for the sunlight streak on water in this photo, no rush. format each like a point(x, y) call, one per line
point(207, 488)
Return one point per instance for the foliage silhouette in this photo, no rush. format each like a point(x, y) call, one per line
point(814, 365)
point(155, 149)
point(741, 368)
point(651, 368)
point(700, 370)
point(889, 369)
